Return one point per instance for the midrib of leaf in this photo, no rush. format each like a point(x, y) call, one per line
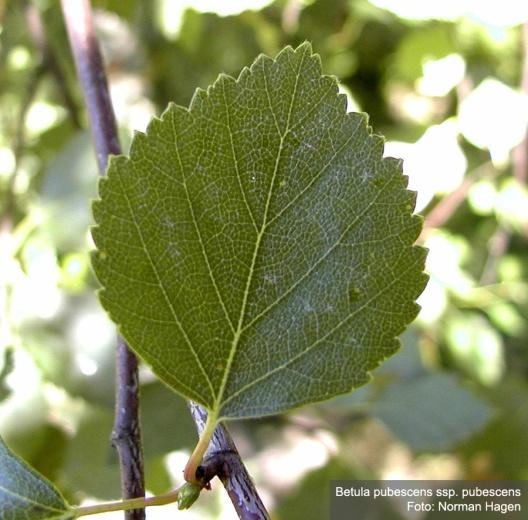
point(32, 502)
point(239, 330)
point(164, 292)
point(323, 338)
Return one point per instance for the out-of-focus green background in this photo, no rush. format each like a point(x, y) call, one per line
point(441, 80)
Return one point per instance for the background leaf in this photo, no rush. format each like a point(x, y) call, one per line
point(255, 249)
point(433, 411)
point(26, 495)
point(426, 410)
point(163, 432)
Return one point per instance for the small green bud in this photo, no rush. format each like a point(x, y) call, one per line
point(188, 495)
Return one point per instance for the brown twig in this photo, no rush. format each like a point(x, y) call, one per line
point(520, 154)
point(222, 460)
point(497, 246)
point(49, 60)
point(6, 219)
point(290, 16)
point(445, 209)
point(126, 435)
point(500, 241)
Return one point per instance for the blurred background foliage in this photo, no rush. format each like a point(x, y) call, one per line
point(441, 80)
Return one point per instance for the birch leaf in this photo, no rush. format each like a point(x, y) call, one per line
point(25, 494)
point(255, 249)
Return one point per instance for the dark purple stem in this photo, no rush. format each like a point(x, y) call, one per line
point(222, 459)
point(126, 434)
point(92, 77)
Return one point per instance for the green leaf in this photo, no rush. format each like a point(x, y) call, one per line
point(503, 442)
point(89, 453)
point(166, 431)
point(26, 495)
point(255, 249)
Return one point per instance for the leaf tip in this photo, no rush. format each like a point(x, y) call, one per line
point(287, 52)
point(305, 46)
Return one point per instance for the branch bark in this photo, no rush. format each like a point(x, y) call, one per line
point(222, 460)
point(520, 154)
point(49, 60)
point(126, 434)
point(448, 206)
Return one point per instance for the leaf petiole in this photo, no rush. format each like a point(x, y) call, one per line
point(200, 449)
